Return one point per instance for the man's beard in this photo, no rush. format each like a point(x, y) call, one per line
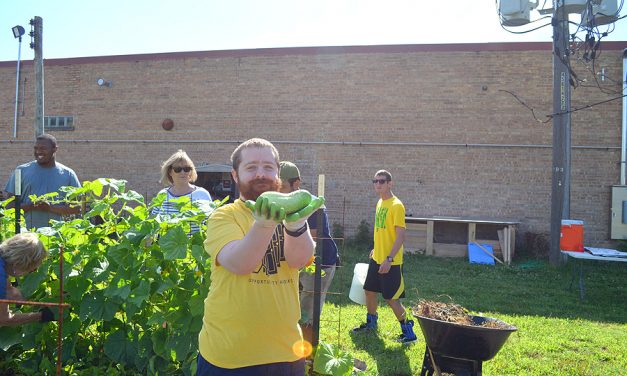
point(254, 188)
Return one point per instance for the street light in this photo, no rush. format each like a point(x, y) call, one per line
point(18, 31)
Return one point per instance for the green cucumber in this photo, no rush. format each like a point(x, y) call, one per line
point(291, 202)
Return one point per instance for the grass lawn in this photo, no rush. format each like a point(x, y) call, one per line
point(557, 333)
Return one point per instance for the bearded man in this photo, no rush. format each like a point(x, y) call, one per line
point(250, 323)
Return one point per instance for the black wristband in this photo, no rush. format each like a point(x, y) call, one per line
point(298, 232)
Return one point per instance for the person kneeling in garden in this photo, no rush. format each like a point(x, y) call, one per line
point(20, 255)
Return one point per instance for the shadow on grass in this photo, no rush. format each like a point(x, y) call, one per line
point(374, 345)
point(528, 287)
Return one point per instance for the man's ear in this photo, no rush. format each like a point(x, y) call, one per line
point(234, 175)
point(297, 185)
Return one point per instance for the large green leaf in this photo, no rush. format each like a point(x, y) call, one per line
point(118, 288)
point(181, 345)
point(76, 286)
point(120, 348)
point(159, 338)
point(197, 305)
point(140, 294)
point(198, 252)
point(132, 196)
point(98, 307)
point(331, 360)
point(31, 282)
point(117, 184)
point(9, 336)
point(174, 244)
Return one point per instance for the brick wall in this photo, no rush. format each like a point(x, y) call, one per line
point(436, 116)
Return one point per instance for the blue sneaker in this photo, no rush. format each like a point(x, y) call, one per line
point(370, 324)
point(408, 336)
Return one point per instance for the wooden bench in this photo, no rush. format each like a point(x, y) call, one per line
point(420, 235)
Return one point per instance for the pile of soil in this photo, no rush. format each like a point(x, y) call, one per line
point(450, 312)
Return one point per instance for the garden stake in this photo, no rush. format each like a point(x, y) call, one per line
point(488, 253)
point(60, 331)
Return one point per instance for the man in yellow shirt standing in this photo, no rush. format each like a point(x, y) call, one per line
point(385, 274)
point(250, 323)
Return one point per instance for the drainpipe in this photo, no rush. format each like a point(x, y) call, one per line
point(623, 148)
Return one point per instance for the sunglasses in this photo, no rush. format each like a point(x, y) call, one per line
point(179, 169)
point(380, 181)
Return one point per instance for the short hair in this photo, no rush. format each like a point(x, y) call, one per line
point(236, 157)
point(385, 173)
point(166, 167)
point(47, 137)
point(24, 251)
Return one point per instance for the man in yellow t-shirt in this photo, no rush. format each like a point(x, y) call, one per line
point(250, 323)
point(385, 273)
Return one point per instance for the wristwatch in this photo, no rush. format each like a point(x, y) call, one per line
point(390, 259)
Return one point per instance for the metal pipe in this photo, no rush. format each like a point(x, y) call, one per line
point(346, 143)
point(17, 86)
point(623, 154)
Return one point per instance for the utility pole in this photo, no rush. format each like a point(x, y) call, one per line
point(560, 188)
point(37, 26)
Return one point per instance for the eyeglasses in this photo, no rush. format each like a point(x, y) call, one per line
point(179, 169)
point(380, 181)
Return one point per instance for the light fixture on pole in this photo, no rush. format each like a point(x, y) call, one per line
point(18, 31)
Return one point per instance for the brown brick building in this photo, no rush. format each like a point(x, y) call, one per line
point(437, 116)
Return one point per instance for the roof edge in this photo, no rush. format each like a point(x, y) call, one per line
point(325, 50)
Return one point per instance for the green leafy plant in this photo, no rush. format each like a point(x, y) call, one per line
point(135, 283)
point(332, 360)
point(363, 238)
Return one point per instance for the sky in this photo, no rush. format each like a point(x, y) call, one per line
point(77, 28)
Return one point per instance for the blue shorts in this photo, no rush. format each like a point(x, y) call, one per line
point(390, 284)
point(296, 368)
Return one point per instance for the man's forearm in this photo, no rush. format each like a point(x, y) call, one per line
point(244, 255)
point(298, 250)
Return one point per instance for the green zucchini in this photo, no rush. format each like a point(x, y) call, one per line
point(291, 202)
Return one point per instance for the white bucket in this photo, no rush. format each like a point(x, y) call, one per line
point(357, 293)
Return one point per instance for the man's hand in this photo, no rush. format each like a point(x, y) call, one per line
point(385, 267)
point(266, 214)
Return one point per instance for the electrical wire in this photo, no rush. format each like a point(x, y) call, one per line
point(533, 111)
point(551, 116)
point(586, 106)
point(526, 31)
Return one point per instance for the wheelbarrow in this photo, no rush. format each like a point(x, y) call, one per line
point(461, 349)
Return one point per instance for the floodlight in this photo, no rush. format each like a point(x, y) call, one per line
point(18, 31)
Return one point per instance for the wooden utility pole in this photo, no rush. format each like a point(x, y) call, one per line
point(560, 189)
point(37, 24)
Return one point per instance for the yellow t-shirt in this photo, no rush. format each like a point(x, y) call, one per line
point(249, 319)
point(390, 214)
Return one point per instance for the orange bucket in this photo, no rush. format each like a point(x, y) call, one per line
point(571, 237)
